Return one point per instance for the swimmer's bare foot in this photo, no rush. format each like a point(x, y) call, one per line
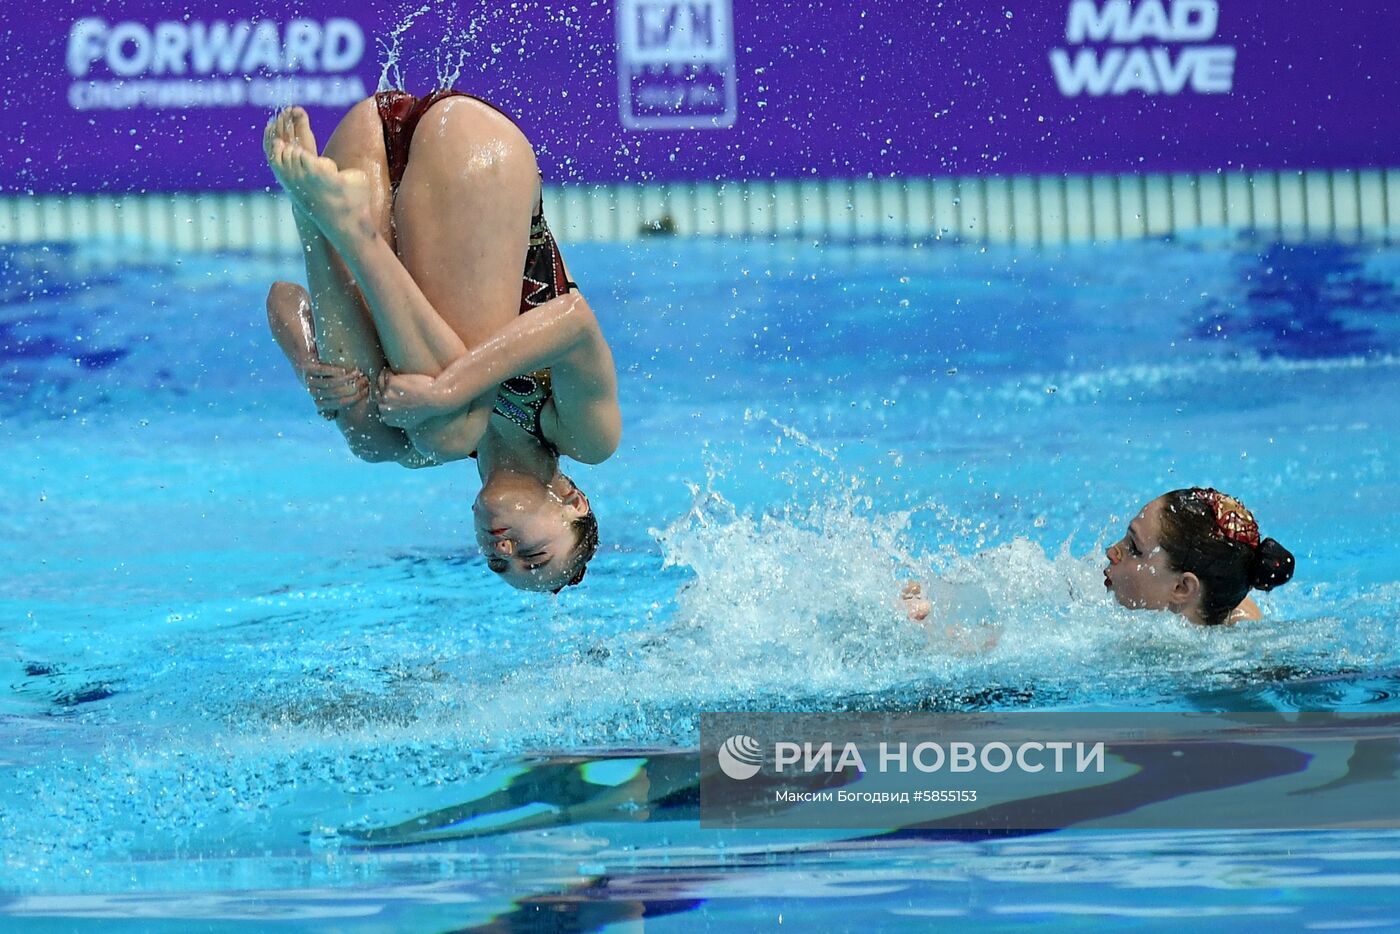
point(915, 604)
point(337, 201)
point(293, 123)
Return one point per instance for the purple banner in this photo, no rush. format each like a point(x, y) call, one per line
point(172, 96)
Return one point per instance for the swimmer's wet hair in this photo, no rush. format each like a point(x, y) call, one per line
point(1227, 567)
point(585, 547)
point(585, 543)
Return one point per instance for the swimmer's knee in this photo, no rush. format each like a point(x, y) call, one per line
point(286, 295)
point(289, 319)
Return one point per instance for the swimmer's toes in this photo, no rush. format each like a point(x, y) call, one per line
point(286, 162)
point(301, 129)
point(303, 164)
point(277, 159)
point(284, 125)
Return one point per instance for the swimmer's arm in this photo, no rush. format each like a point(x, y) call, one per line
point(375, 442)
point(561, 334)
point(588, 424)
point(915, 605)
point(948, 636)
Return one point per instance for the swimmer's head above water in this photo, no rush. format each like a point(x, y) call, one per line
point(536, 536)
point(1196, 552)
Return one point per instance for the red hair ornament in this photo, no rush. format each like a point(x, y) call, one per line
point(1232, 520)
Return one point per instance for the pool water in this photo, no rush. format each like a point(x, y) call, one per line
point(240, 672)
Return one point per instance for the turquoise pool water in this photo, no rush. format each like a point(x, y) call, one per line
point(232, 657)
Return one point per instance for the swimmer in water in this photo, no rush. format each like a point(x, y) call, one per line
point(1196, 552)
point(441, 322)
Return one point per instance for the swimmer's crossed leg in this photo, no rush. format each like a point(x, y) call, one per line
point(328, 334)
point(365, 309)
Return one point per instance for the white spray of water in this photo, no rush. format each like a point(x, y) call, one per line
point(797, 607)
point(448, 36)
point(391, 49)
point(794, 607)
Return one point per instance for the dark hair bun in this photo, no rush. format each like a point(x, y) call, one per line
point(1273, 565)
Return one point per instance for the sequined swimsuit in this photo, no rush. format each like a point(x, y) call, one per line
point(520, 399)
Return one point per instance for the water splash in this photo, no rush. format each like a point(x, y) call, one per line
point(445, 38)
point(791, 608)
point(759, 415)
point(391, 50)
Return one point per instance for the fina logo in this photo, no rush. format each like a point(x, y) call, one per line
point(740, 757)
point(675, 64)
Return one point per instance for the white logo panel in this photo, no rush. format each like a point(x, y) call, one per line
point(675, 64)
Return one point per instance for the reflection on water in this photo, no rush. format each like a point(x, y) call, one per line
point(581, 882)
point(1303, 301)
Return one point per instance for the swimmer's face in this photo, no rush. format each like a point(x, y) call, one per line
point(526, 533)
point(1139, 574)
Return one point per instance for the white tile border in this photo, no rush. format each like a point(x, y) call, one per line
point(1348, 204)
